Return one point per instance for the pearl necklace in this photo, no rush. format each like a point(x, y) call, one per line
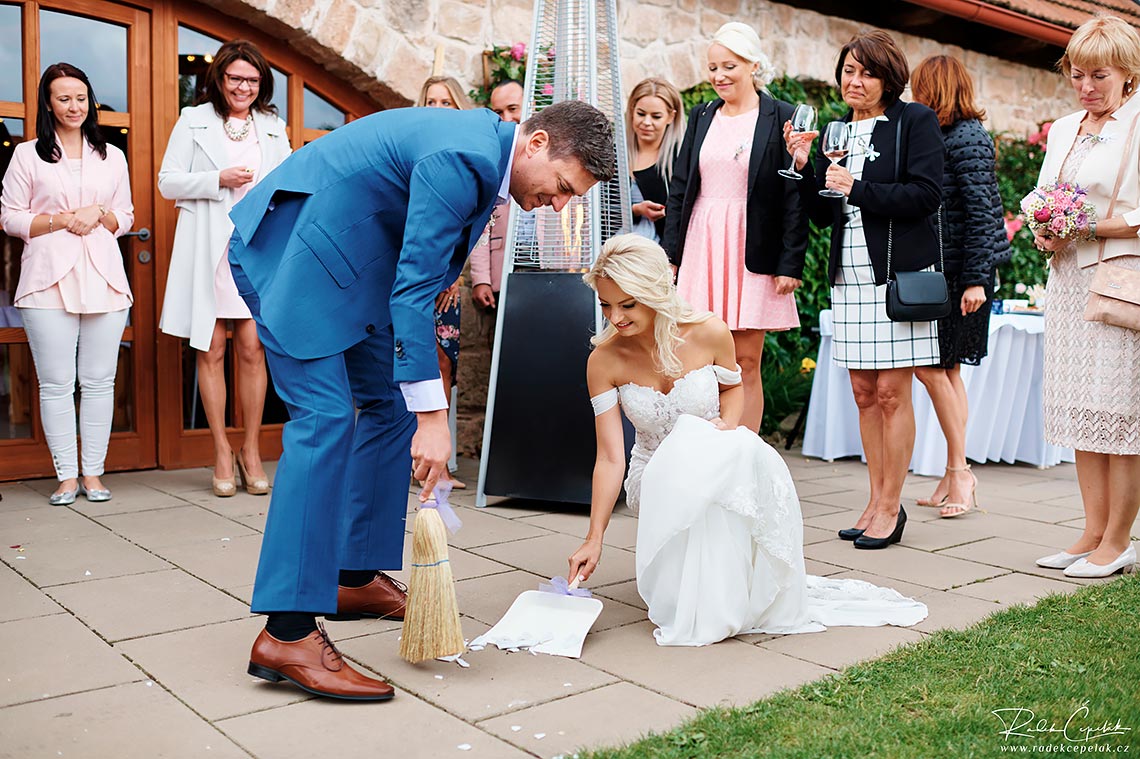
point(237, 135)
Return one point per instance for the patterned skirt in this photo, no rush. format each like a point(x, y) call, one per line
point(1092, 370)
point(864, 337)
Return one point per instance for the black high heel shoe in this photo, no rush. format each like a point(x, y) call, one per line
point(851, 533)
point(896, 535)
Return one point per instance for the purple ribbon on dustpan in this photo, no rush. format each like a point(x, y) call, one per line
point(450, 520)
point(560, 586)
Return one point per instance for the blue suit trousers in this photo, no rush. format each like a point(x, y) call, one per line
point(340, 495)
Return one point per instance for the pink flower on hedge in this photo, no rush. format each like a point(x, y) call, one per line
point(548, 89)
point(1041, 137)
point(1013, 225)
point(518, 51)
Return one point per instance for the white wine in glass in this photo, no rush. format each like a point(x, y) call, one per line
point(836, 144)
point(803, 120)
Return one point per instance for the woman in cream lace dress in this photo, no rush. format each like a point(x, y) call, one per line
point(1092, 370)
point(720, 535)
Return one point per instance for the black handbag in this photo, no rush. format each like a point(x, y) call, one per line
point(917, 296)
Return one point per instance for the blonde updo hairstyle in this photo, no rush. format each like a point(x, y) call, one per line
point(641, 269)
point(1105, 41)
point(743, 42)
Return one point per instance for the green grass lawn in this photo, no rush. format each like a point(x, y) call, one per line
point(1072, 659)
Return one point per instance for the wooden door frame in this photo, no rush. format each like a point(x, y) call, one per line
point(137, 448)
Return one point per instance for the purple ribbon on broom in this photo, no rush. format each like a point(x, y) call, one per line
point(559, 586)
point(450, 520)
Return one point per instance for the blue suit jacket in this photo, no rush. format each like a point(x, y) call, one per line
point(366, 226)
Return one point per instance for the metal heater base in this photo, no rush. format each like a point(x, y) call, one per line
point(541, 443)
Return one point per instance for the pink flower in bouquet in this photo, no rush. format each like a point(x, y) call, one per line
point(1057, 224)
point(1042, 215)
point(1082, 220)
point(518, 51)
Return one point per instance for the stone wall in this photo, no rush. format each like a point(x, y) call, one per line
point(386, 47)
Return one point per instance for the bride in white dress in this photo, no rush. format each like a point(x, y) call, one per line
point(720, 535)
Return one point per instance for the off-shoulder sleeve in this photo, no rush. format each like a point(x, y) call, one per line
point(726, 376)
point(603, 402)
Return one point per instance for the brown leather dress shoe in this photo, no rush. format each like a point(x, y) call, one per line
point(383, 598)
point(313, 664)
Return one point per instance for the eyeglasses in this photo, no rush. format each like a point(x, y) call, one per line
point(253, 82)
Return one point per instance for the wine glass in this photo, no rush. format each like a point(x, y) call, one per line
point(803, 120)
point(836, 144)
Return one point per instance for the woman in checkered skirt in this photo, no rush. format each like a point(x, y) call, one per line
point(889, 194)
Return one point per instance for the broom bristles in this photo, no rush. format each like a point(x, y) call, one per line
point(431, 620)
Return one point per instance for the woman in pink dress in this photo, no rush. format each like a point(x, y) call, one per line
point(217, 152)
point(733, 226)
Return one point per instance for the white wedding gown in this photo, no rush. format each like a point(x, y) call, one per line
point(720, 535)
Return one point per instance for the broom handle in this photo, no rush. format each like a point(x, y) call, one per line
point(574, 585)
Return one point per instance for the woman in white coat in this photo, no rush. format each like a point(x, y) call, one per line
point(217, 151)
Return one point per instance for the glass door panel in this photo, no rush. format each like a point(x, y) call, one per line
point(11, 54)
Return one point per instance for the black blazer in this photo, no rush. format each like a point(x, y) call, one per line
point(910, 200)
point(777, 229)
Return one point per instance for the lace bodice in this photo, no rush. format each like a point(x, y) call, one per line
point(654, 413)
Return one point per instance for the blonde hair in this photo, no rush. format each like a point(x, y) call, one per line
point(453, 88)
point(743, 42)
point(641, 269)
point(674, 131)
point(1105, 41)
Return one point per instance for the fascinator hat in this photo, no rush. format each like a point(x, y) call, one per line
point(743, 41)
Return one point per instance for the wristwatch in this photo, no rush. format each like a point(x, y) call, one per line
point(1092, 229)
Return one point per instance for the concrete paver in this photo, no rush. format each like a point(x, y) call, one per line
point(156, 638)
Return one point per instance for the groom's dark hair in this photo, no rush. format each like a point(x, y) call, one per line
point(578, 130)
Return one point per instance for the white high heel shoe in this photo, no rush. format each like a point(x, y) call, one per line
point(1061, 560)
point(1125, 563)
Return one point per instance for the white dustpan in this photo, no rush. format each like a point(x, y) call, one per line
point(546, 622)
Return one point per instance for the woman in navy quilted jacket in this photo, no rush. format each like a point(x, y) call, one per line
point(975, 243)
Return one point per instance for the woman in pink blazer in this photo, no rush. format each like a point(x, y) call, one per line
point(67, 196)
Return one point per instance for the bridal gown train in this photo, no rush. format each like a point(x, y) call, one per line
point(720, 535)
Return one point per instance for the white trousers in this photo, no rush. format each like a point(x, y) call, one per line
point(65, 346)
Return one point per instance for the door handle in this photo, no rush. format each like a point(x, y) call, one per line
point(143, 234)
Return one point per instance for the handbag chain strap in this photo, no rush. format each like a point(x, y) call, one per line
point(1116, 189)
point(891, 221)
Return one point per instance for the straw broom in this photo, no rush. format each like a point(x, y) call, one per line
point(431, 619)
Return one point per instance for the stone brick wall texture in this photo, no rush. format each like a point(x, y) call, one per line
point(387, 47)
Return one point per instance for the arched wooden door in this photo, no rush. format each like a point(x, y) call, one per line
point(143, 59)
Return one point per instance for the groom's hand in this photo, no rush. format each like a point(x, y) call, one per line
point(431, 448)
point(584, 561)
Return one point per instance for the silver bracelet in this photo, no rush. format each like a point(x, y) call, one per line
point(1092, 230)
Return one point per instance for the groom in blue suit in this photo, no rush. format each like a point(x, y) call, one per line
point(339, 253)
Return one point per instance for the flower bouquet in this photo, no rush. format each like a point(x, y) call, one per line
point(1060, 210)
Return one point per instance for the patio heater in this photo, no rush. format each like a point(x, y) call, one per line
point(538, 436)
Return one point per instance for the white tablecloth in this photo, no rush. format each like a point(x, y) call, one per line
point(1005, 421)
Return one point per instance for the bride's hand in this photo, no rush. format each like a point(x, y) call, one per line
point(719, 423)
point(584, 561)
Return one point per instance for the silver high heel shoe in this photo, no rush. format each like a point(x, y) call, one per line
point(66, 498)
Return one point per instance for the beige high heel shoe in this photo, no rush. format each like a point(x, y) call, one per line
point(259, 486)
point(971, 501)
point(225, 487)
